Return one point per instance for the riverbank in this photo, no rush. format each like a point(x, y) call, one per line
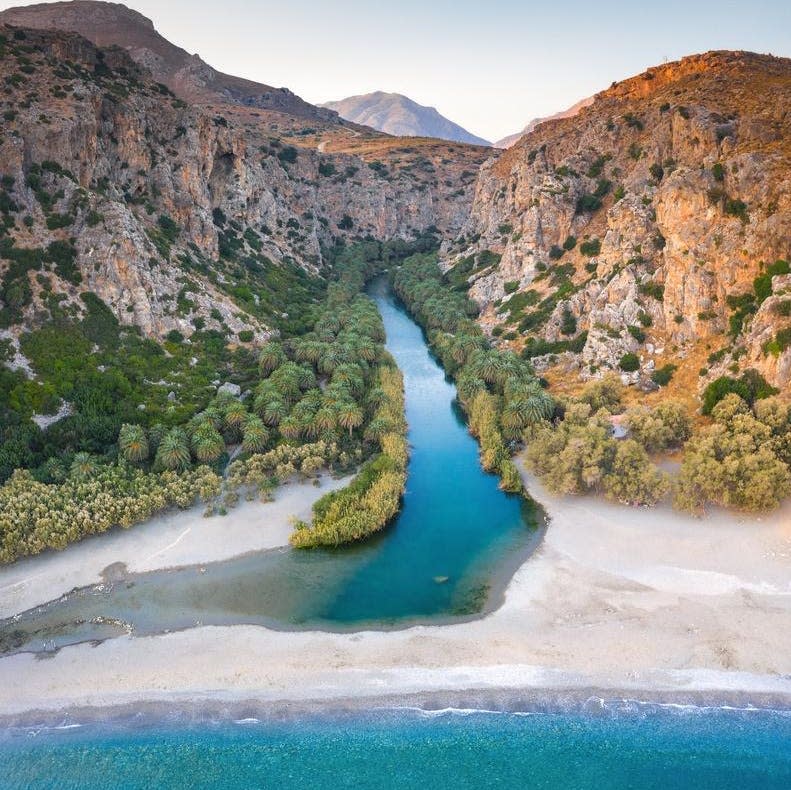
point(172, 539)
point(615, 598)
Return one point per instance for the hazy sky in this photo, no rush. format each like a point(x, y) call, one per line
point(490, 66)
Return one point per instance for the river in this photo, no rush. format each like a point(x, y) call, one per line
point(448, 555)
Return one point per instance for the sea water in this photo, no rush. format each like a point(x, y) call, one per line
point(600, 746)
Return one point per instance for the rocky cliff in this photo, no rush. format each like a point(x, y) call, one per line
point(651, 229)
point(166, 209)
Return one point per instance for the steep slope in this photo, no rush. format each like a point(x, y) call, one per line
point(508, 141)
point(178, 216)
point(652, 229)
point(113, 24)
point(399, 115)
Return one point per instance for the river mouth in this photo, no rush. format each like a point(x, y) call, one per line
point(448, 556)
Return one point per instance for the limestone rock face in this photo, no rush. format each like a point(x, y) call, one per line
point(647, 217)
point(164, 201)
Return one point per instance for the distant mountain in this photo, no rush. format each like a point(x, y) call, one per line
point(113, 24)
point(400, 116)
point(507, 142)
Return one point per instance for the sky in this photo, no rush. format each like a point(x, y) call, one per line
point(489, 66)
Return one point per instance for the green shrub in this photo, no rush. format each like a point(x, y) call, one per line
point(570, 243)
point(662, 376)
point(629, 362)
point(736, 208)
point(568, 323)
point(590, 247)
point(751, 386)
point(555, 252)
point(327, 169)
point(287, 155)
point(636, 333)
point(653, 289)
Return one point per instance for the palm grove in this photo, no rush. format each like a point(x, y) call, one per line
point(327, 395)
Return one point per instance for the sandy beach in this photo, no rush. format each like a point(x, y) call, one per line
point(615, 598)
point(178, 537)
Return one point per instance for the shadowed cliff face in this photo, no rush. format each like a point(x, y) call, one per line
point(644, 222)
point(159, 206)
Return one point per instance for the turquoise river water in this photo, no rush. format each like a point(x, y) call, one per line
point(449, 553)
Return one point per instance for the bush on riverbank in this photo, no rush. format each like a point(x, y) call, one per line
point(36, 516)
point(660, 428)
point(372, 499)
point(580, 455)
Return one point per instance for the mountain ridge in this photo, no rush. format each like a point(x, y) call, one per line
point(509, 140)
point(396, 114)
point(187, 75)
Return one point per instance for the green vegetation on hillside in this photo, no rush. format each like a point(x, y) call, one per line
point(327, 396)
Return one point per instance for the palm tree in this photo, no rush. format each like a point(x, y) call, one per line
point(234, 417)
point(376, 429)
point(290, 427)
point(375, 398)
point(83, 466)
point(539, 406)
point(155, 435)
point(207, 443)
point(331, 358)
point(288, 379)
point(350, 416)
point(490, 367)
point(133, 443)
point(325, 419)
point(270, 357)
point(469, 385)
point(274, 412)
point(514, 417)
point(306, 378)
point(366, 349)
point(254, 435)
point(349, 376)
point(173, 451)
point(308, 351)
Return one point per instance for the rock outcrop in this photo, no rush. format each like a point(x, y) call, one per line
point(187, 75)
point(654, 223)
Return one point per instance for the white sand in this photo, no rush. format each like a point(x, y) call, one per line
point(176, 538)
point(615, 598)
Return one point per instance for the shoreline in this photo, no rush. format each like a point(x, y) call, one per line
point(174, 538)
point(221, 708)
point(642, 602)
